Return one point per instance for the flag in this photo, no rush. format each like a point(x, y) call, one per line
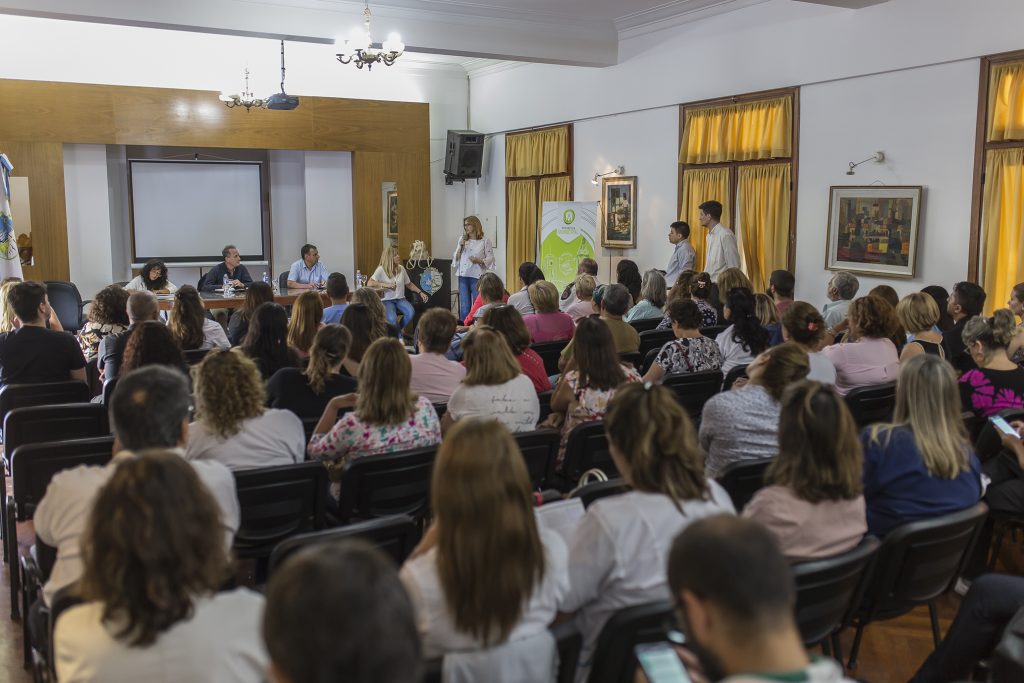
point(10, 261)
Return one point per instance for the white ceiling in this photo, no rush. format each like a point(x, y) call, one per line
point(584, 32)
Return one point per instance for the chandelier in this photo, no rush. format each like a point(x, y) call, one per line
point(245, 99)
point(367, 55)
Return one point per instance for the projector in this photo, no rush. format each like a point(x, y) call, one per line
point(282, 101)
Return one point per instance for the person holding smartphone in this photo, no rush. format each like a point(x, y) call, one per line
point(473, 257)
point(1005, 493)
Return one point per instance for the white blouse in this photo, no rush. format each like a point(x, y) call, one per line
point(137, 285)
point(481, 249)
point(400, 281)
point(513, 404)
point(214, 335)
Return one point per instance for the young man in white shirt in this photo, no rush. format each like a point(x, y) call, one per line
point(722, 251)
point(683, 255)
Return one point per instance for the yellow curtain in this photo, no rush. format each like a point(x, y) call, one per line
point(762, 199)
point(1002, 225)
point(701, 185)
point(522, 227)
point(542, 152)
point(738, 132)
point(554, 189)
point(1006, 102)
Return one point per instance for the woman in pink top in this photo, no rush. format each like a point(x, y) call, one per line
point(584, 308)
point(871, 358)
point(548, 324)
point(813, 501)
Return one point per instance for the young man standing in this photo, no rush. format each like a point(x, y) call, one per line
point(32, 353)
point(683, 256)
point(965, 301)
point(722, 251)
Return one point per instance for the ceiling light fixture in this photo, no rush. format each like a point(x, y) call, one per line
point(363, 52)
point(245, 99)
point(618, 170)
point(877, 157)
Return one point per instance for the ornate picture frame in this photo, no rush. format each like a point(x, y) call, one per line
point(393, 213)
point(618, 212)
point(873, 230)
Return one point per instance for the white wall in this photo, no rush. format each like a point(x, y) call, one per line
point(329, 210)
point(287, 206)
point(88, 209)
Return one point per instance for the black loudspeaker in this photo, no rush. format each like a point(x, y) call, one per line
point(463, 156)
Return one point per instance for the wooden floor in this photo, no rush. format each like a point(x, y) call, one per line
point(890, 652)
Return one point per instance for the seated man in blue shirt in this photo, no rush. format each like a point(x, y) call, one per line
point(307, 272)
point(337, 290)
point(231, 266)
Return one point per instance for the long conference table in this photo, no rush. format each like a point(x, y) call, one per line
point(218, 300)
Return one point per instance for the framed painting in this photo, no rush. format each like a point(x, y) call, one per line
point(393, 213)
point(618, 212)
point(873, 230)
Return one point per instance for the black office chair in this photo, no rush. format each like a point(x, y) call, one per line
point(440, 409)
point(385, 485)
point(733, 375)
point(872, 404)
point(714, 331)
point(397, 536)
point(916, 563)
point(195, 356)
point(544, 399)
point(66, 300)
point(632, 358)
point(693, 389)
point(648, 361)
point(600, 489)
point(36, 567)
point(45, 393)
point(645, 324)
point(282, 282)
point(586, 449)
point(654, 339)
point(550, 352)
point(570, 644)
point(614, 661)
point(829, 590)
point(540, 451)
point(741, 480)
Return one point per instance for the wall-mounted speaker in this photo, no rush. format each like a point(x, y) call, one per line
point(463, 156)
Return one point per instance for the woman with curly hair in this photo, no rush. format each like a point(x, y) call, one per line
point(232, 425)
point(307, 393)
point(872, 357)
point(189, 323)
point(108, 314)
point(153, 278)
point(266, 342)
point(154, 563)
point(307, 319)
point(151, 343)
point(745, 337)
point(255, 294)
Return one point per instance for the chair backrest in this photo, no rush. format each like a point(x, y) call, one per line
point(544, 399)
point(919, 561)
point(382, 485)
point(733, 375)
point(397, 536)
point(66, 300)
point(33, 466)
point(282, 282)
point(648, 361)
point(600, 489)
point(550, 352)
point(277, 503)
point(988, 445)
point(570, 643)
point(54, 423)
point(645, 324)
point(195, 356)
point(830, 589)
point(693, 389)
point(654, 339)
point(540, 450)
point(587, 448)
point(440, 409)
point(108, 390)
point(45, 393)
point(614, 661)
point(713, 331)
point(632, 358)
point(742, 479)
point(872, 404)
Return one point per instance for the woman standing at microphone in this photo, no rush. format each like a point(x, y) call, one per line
point(473, 257)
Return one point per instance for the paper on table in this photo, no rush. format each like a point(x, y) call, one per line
point(561, 516)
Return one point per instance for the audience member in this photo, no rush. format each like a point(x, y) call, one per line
point(371, 299)
point(587, 266)
point(8, 321)
point(1015, 304)
point(391, 280)
point(840, 290)
point(584, 307)
point(491, 293)
point(473, 257)
point(584, 391)
point(728, 280)
point(768, 314)
point(690, 351)
point(152, 343)
point(108, 314)
point(493, 386)
point(1005, 493)
point(781, 284)
point(31, 353)
point(266, 342)
point(627, 274)
point(433, 375)
point(387, 417)
point(941, 298)
point(485, 574)
point(652, 298)
point(142, 307)
point(887, 294)
point(966, 301)
point(154, 562)
point(307, 392)
point(191, 327)
point(736, 605)
point(365, 329)
point(306, 321)
point(337, 292)
point(703, 292)
point(547, 324)
point(152, 278)
point(614, 304)
point(920, 465)
point(308, 272)
point(803, 325)
point(683, 254)
point(743, 424)
point(231, 267)
point(682, 289)
point(528, 274)
point(238, 325)
point(233, 425)
point(745, 337)
point(812, 501)
point(872, 358)
point(918, 315)
point(997, 383)
point(507, 322)
point(359, 630)
point(616, 556)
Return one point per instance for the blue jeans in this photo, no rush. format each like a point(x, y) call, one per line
point(392, 307)
point(467, 295)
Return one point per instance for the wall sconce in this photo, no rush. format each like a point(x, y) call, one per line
point(618, 170)
point(877, 157)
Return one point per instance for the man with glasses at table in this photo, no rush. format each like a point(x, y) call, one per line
point(308, 272)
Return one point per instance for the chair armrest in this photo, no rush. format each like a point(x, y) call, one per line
point(31, 574)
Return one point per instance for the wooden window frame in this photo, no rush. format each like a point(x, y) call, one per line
point(734, 166)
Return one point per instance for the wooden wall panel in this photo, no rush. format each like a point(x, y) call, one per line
point(43, 164)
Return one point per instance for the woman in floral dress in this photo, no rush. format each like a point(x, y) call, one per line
point(107, 314)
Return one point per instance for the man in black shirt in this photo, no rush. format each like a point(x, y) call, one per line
point(966, 301)
point(142, 306)
point(33, 354)
point(232, 266)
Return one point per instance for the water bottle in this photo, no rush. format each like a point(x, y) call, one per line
point(266, 278)
point(227, 286)
point(359, 279)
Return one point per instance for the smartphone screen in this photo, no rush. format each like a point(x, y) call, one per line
point(660, 663)
point(1002, 425)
